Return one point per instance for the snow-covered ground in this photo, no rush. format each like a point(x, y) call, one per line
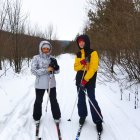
point(121, 120)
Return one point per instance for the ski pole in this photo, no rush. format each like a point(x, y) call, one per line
point(94, 107)
point(74, 106)
point(76, 96)
point(49, 88)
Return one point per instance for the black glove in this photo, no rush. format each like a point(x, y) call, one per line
point(54, 64)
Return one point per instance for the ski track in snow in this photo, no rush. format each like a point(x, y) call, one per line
point(18, 124)
point(114, 123)
point(17, 119)
point(126, 114)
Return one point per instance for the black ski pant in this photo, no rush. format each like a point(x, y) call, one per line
point(82, 107)
point(37, 110)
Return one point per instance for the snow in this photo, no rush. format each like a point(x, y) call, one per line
point(121, 120)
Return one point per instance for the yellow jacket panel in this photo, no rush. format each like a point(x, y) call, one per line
point(91, 67)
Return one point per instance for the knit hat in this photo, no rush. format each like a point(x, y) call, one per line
point(46, 46)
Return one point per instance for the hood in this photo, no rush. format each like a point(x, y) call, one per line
point(42, 43)
point(87, 41)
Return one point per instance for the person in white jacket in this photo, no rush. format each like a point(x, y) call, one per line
point(42, 66)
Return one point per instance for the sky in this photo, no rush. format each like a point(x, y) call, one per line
point(68, 17)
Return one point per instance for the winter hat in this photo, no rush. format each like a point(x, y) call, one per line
point(80, 39)
point(46, 46)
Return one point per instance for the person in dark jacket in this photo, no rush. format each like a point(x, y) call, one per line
point(86, 66)
point(43, 65)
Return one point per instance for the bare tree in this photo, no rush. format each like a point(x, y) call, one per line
point(16, 26)
point(3, 14)
point(50, 33)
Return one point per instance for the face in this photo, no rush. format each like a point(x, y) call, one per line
point(81, 44)
point(45, 50)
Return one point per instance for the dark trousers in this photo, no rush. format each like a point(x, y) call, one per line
point(37, 111)
point(82, 107)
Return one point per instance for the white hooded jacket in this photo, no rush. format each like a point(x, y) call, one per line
point(39, 66)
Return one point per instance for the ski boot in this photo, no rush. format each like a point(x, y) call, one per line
point(99, 127)
point(82, 120)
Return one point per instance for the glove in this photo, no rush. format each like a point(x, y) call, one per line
point(83, 62)
point(54, 64)
point(82, 84)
